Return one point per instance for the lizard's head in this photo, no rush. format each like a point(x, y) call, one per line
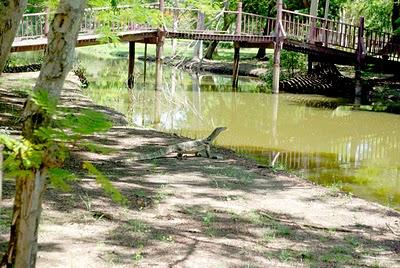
point(215, 133)
point(220, 129)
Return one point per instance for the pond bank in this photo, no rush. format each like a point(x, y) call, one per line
point(197, 211)
point(248, 68)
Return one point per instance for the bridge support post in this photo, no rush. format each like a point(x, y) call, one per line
point(160, 51)
point(131, 65)
point(236, 55)
point(361, 53)
point(310, 64)
point(145, 63)
point(175, 27)
point(277, 49)
point(46, 22)
point(235, 71)
point(198, 49)
point(159, 59)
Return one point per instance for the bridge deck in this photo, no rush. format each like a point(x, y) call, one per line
point(330, 40)
point(20, 45)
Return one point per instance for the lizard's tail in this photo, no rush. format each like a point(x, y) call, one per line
point(153, 155)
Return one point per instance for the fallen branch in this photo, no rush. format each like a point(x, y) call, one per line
point(393, 231)
point(306, 226)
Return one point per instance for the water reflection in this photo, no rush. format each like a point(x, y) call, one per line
point(357, 150)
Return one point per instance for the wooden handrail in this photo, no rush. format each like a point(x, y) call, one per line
point(294, 26)
point(318, 18)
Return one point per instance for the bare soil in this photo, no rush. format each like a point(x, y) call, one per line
point(194, 212)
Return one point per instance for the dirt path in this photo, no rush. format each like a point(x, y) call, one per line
point(199, 212)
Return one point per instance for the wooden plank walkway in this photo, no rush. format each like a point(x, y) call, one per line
point(327, 39)
point(21, 45)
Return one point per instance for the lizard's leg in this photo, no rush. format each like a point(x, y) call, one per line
point(208, 151)
point(199, 153)
point(179, 156)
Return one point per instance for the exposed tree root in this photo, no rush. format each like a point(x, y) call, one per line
point(306, 226)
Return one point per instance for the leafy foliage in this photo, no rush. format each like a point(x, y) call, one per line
point(292, 63)
point(68, 129)
point(59, 178)
point(377, 13)
point(105, 183)
point(42, 99)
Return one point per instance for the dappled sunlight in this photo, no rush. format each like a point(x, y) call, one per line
point(293, 132)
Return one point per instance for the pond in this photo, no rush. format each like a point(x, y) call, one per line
point(314, 136)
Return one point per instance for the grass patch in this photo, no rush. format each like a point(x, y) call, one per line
point(338, 255)
point(237, 177)
point(208, 218)
point(137, 226)
point(161, 194)
point(5, 219)
point(274, 229)
point(289, 256)
point(160, 236)
point(138, 255)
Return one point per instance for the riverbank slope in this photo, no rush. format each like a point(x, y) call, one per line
point(195, 212)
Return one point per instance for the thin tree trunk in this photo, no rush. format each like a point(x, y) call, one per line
point(395, 15)
point(326, 9)
point(261, 53)
point(11, 12)
point(1, 173)
point(314, 8)
point(213, 45)
point(210, 50)
point(59, 56)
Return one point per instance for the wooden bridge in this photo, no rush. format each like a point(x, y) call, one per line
point(322, 39)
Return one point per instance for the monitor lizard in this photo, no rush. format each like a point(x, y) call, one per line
point(188, 147)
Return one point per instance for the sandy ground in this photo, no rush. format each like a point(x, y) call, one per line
point(196, 212)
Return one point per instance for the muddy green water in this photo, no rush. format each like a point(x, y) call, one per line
point(355, 151)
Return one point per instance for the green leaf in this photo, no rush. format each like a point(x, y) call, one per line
point(20, 173)
point(42, 99)
point(105, 183)
point(30, 154)
point(49, 133)
point(86, 122)
point(11, 163)
point(8, 141)
point(59, 178)
point(96, 148)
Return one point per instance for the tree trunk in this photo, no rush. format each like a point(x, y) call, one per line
point(213, 45)
point(11, 12)
point(261, 53)
point(314, 8)
point(210, 50)
point(1, 172)
point(58, 59)
point(395, 15)
point(326, 9)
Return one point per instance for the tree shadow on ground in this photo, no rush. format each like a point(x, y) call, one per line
point(182, 211)
point(247, 238)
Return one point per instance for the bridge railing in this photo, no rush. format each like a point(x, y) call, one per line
point(316, 30)
point(175, 20)
point(257, 25)
point(32, 26)
point(181, 19)
point(339, 35)
point(97, 18)
point(382, 45)
point(216, 22)
point(301, 27)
